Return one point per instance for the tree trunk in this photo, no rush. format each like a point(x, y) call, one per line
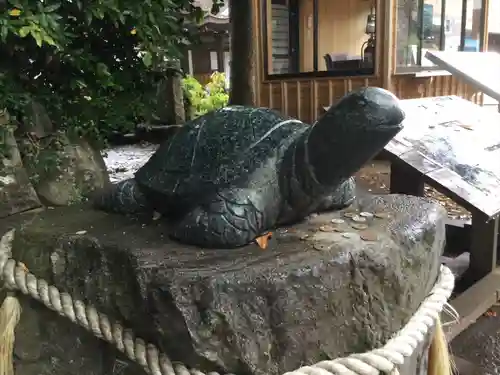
point(242, 69)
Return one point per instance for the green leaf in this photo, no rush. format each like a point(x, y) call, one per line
point(38, 37)
point(43, 20)
point(147, 58)
point(15, 3)
point(102, 69)
point(88, 17)
point(24, 31)
point(3, 33)
point(52, 8)
point(48, 39)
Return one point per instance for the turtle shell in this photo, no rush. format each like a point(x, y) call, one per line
point(224, 148)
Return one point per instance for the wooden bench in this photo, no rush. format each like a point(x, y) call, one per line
point(453, 146)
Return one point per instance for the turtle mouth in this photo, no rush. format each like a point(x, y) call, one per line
point(394, 123)
point(390, 127)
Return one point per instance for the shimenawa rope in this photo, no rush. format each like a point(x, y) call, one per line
point(385, 359)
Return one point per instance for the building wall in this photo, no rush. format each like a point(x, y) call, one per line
point(305, 98)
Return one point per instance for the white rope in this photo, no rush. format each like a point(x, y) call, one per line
point(385, 359)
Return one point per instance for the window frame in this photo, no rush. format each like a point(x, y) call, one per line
point(402, 70)
point(359, 72)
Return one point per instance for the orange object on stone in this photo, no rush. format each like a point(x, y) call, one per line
point(263, 240)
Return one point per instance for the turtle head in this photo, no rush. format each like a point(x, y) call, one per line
point(351, 133)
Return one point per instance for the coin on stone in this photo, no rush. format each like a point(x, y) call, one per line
point(359, 226)
point(326, 228)
point(367, 215)
point(348, 235)
point(350, 214)
point(321, 247)
point(381, 215)
point(368, 235)
point(304, 237)
point(358, 219)
point(337, 221)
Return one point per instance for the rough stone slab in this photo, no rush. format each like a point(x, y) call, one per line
point(248, 310)
point(76, 170)
point(16, 191)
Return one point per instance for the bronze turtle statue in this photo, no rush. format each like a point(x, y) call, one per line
point(230, 176)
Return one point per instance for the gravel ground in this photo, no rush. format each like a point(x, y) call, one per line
point(123, 161)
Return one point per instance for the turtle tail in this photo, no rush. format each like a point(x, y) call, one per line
point(124, 197)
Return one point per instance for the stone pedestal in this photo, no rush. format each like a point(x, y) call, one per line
point(324, 288)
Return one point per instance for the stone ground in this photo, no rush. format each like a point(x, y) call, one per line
point(480, 344)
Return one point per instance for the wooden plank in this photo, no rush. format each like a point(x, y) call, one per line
point(431, 73)
point(483, 252)
point(406, 180)
point(464, 367)
point(455, 144)
point(474, 302)
point(479, 69)
point(299, 100)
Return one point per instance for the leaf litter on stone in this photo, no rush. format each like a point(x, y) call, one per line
point(368, 235)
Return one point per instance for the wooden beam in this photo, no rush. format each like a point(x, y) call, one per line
point(486, 12)
point(386, 46)
point(190, 62)
point(220, 53)
point(474, 302)
point(464, 367)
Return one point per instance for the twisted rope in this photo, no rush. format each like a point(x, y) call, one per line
point(384, 359)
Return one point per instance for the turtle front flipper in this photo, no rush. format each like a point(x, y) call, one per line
point(229, 220)
point(125, 197)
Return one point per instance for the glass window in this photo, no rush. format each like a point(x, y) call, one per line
point(214, 63)
point(494, 27)
point(437, 25)
point(319, 37)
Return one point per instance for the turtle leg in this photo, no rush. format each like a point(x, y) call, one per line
point(342, 197)
point(229, 220)
point(124, 197)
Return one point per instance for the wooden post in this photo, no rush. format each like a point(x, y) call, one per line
point(385, 48)
point(219, 41)
point(241, 13)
